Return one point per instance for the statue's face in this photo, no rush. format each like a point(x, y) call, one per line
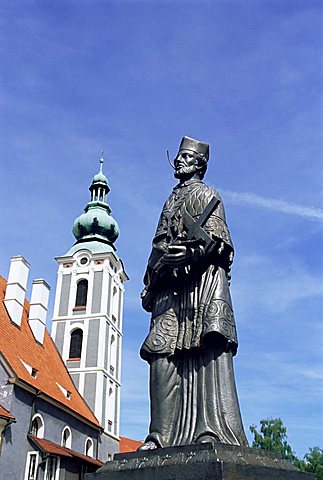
point(185, 164)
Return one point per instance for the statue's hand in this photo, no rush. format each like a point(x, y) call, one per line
point(143, 293)
point(177, 256)
point(146, 300)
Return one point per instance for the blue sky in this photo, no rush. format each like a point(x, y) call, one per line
point(133, 77)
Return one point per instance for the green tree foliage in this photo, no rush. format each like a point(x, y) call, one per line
point(273, 436)
point(312, 463)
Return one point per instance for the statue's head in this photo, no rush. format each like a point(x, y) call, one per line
point(191, 159)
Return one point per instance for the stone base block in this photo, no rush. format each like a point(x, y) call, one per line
point(199, 462)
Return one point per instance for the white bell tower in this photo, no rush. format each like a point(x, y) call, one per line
point(87, 321)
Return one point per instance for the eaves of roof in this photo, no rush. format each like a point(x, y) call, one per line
point(5, 414)
point(52, 401)
point(51, 448)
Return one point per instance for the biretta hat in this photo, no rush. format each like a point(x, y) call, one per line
point(196, 146)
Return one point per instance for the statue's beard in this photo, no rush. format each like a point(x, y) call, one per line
point(185, 172)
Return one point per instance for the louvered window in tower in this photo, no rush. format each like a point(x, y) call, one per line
point(76, 343)
point(81, 293)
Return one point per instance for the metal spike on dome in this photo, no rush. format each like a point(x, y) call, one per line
point(101, 161)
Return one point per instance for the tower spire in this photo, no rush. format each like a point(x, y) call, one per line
point(96, 224)
point(101, 161)
point(87, 322)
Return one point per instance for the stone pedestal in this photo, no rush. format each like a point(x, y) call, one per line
point(199, 462)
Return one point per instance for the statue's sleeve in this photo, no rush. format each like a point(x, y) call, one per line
point(159, 246)
point(217, 228)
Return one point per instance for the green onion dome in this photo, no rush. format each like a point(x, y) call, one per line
point(96, 223)
point(100, 177)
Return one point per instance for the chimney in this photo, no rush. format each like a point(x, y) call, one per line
point(16, 288)
point(38, 308)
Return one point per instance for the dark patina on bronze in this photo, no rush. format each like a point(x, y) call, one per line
point(192, 336)
point(195, 413)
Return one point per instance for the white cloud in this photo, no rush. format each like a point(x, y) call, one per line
point(315, 374)
point(253, 200)
point(274, 289)
point(276, 382)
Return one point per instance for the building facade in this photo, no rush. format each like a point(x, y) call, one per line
point(47, 431)
point(60, 395)
point(87, 320)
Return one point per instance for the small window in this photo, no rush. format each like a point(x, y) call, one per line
point(65, 392)
point(109, 426)
point(89, 447)
point(34, 427)
point(37, 426)
point(67, 438)
point(113, 354)
point(51, 468)
point(76, 343)
point(83, 261)
point(115, 304)
point(31, 466)
point(81, 293)
point(31, 370)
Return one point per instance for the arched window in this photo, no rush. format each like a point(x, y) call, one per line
point(115, 304)
point(110, 406)
point(89, 447)
point(37, 426)
point(113, 354)
point(67, 438)
point(76, 343)
point(81, 293)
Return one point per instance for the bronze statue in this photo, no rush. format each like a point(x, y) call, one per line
point(192, 336)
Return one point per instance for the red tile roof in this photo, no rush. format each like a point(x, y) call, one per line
point(54, 449)
point(18, 343)
point(5, 414)
point(128, 445)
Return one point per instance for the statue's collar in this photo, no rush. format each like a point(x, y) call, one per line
point(187, 183)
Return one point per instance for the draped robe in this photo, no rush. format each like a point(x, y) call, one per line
point(192, 336)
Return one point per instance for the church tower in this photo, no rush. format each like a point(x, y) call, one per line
point(87, 321)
